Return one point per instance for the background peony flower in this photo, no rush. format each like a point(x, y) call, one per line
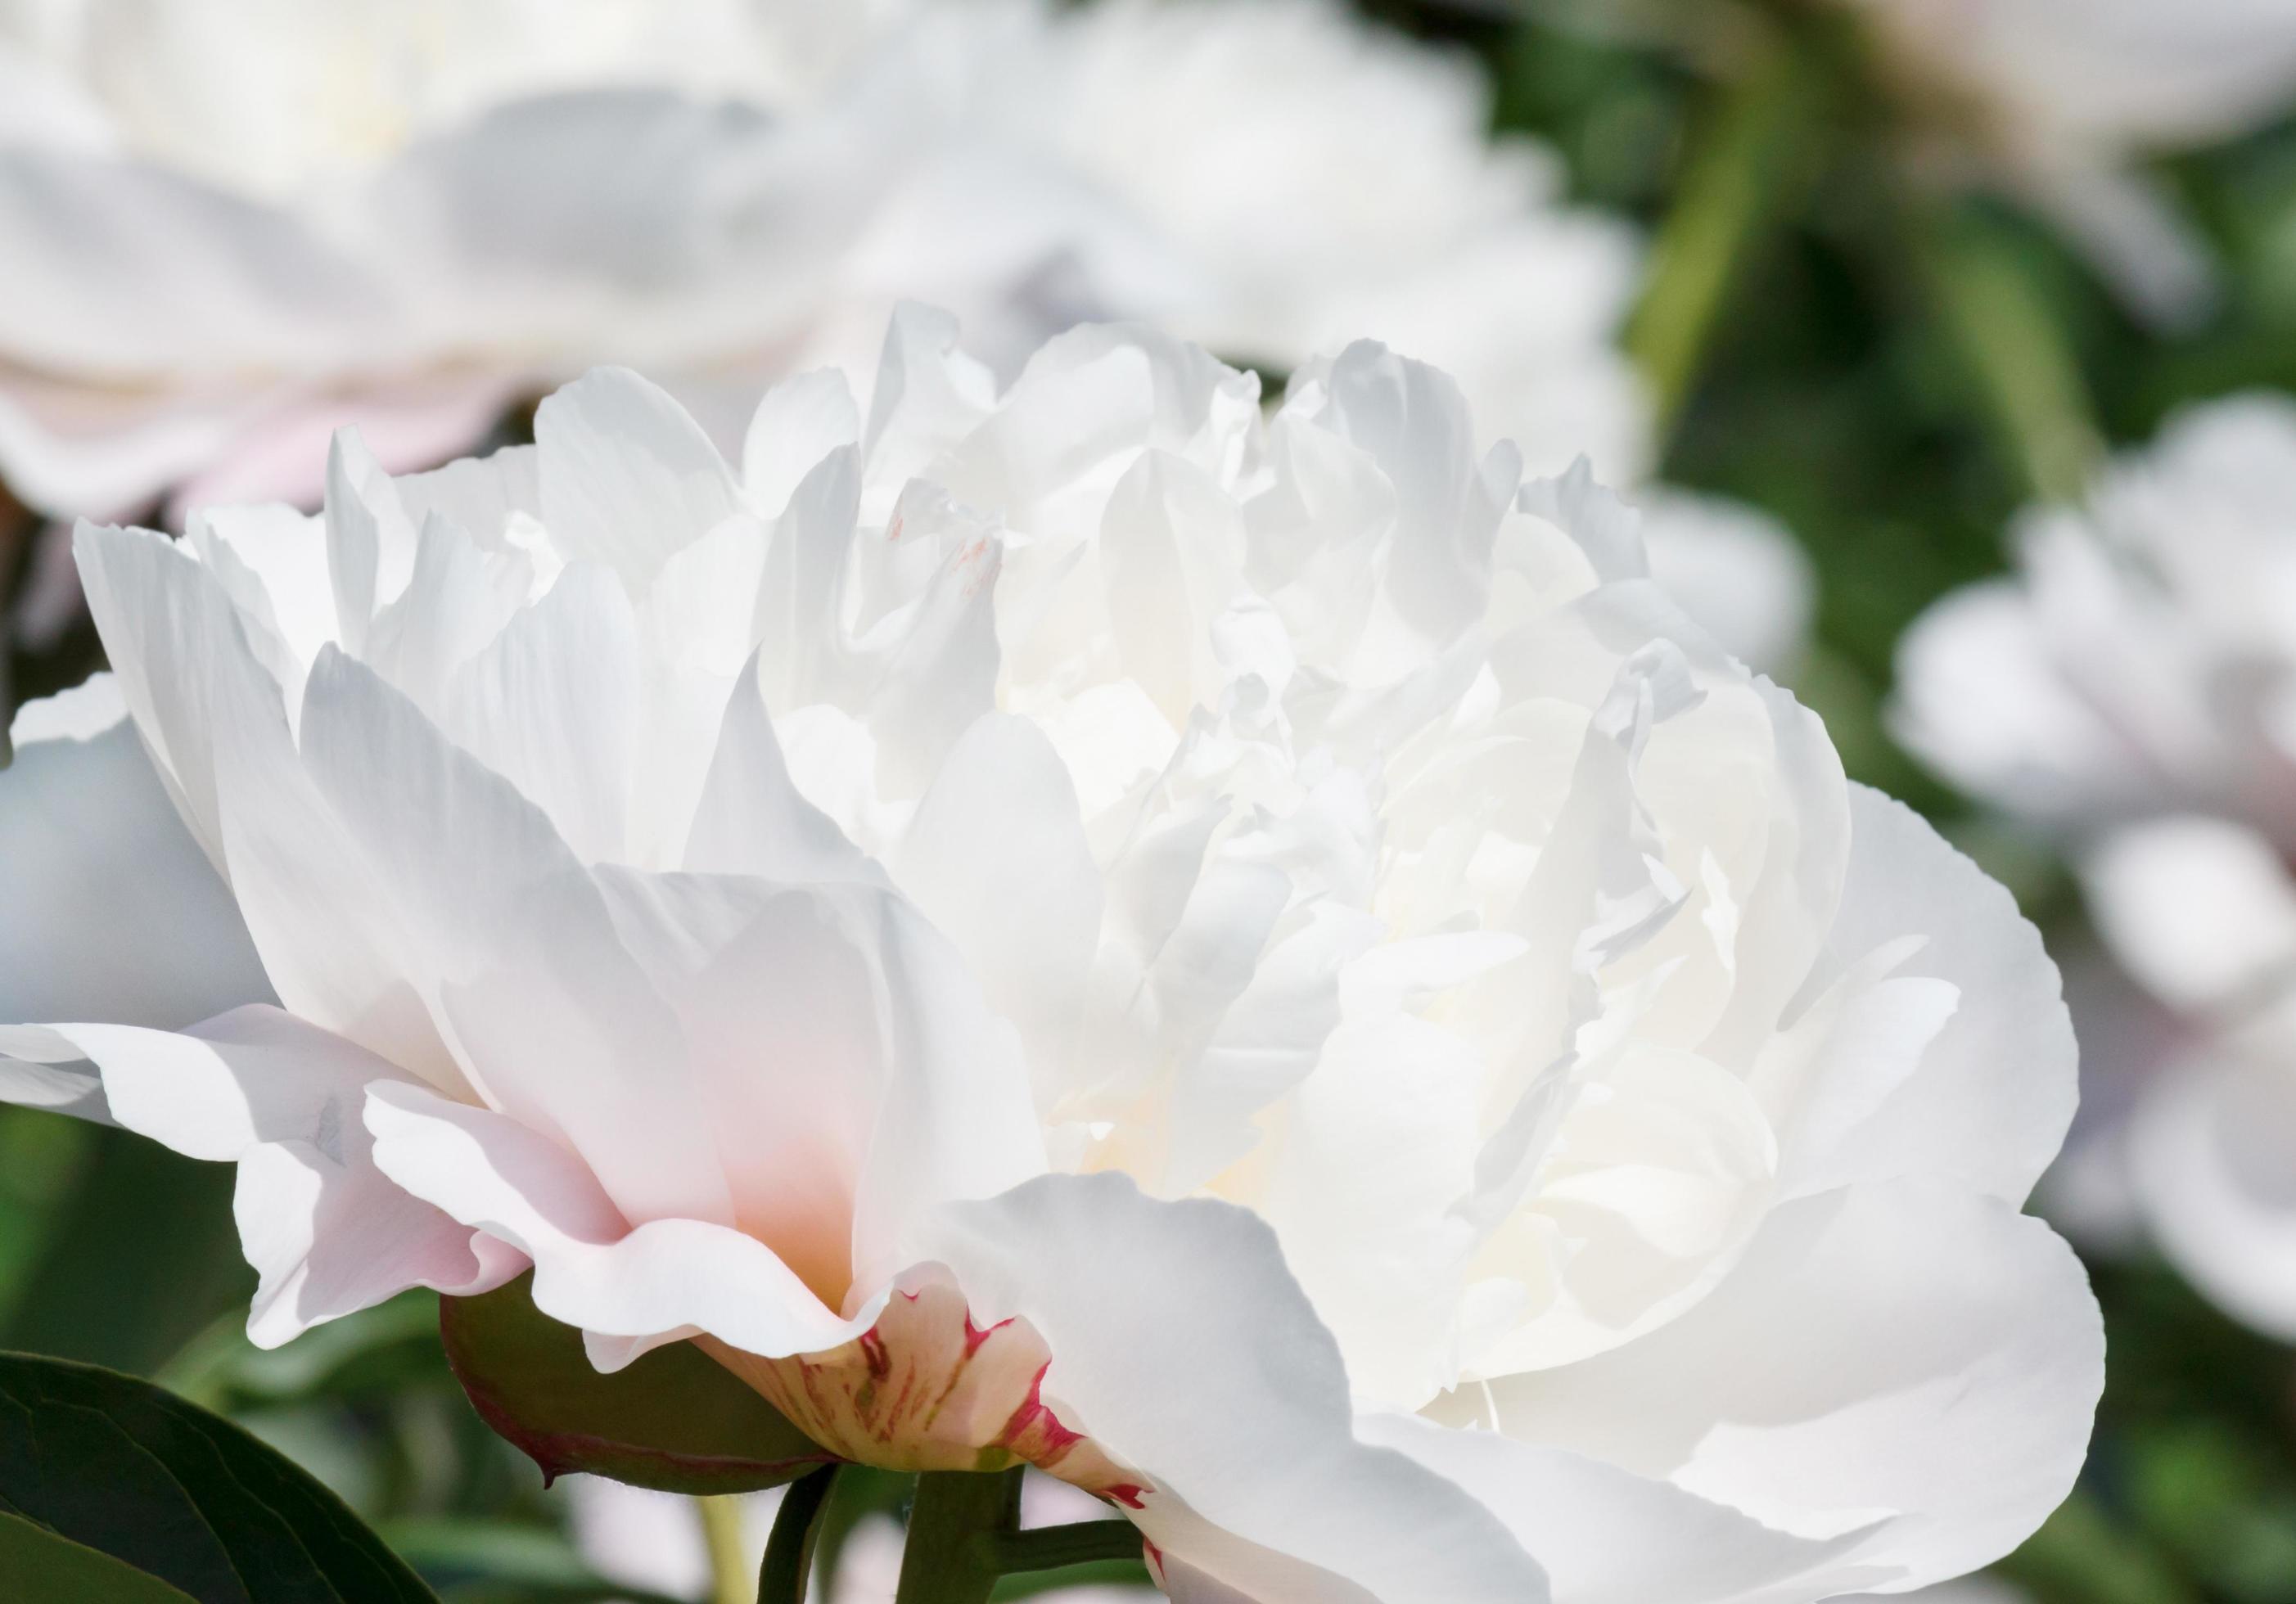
point(2129, 689)
point(408, 217)
point(2056, 100)
point(1259, 957)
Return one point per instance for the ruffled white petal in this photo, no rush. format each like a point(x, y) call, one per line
point(1180, 1343)
point(1902, 1356)
point(1990, 1095)
point(326, 1232)
point(658, 1282)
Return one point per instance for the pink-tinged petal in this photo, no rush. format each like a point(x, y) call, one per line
point(326, 1232)
point(510, 944)
point(661, 1282)
point(113, 913)
point(278, 452)
point(71, 451)
point(1902, 1356)
point(1181, 1345)
point(777, 992)
point(1606, 1535)
point(1991, 1097)
point(2208, 1148)
point(957, 1121)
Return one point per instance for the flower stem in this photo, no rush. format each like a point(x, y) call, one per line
point(1729, 192)
point(2015, 351)
point(721, 1534)
point(955, 1526)
point(1052, 1548)
point(789, 1552)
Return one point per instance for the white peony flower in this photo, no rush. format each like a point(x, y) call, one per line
point(2130, 689)
point(2058, 99)
point(1257, 958)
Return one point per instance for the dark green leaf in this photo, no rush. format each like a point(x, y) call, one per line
point(675, 1421)
point(122, 1467)
point(35, 1563)
point(134, 1203)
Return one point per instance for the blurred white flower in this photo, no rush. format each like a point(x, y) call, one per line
point(1259, 960)
point(2058, 100)
point(226, 230)
point(1327, 180)
point(2134, 688)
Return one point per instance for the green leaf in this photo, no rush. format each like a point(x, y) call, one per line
point(35, 1563)
point(123, 1468)
point(134, 1203)
point(675, 1420)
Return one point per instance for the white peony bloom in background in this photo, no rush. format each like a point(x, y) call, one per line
point(224, 229)
point(409, 217)
point(1257, 957)
point(2133, 689)
point(1328, 180)
point(2058, 101)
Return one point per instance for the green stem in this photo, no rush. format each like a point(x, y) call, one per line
point(1729, 192)
point(1050, 1548)
point(2015, 351)
point(721, 1538)
point(956, 1526)
point(789, 1551)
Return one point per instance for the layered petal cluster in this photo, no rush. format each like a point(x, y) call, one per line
point(2058, 99)
point(2129, 688)
point(1254, 962)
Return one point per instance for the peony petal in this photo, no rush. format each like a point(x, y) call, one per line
point(1606, 1535)
point(1181, 1345)
point(800, 420)
point(628, 478)
point(664, 1280)
point(551, 704)
point(1900, 1352)
point(751, 818)
point(510, 944)
point(327, 1233)
point(997, 857)
point(1992, 1097)
point(113, 913)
